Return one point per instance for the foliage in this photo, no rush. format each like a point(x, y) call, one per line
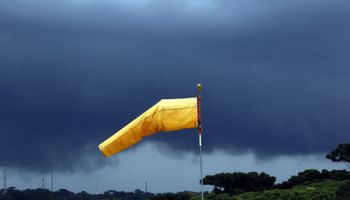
point(312, 175)
point(213, 196)
point(63, 194)
point(340, 154)
point(324, 190)
point(238, 182)
point(343, 192)
point(175, 196)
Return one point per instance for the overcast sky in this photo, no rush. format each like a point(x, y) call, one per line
point(275, 74)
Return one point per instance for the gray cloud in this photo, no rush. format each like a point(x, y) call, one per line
point(275, 75)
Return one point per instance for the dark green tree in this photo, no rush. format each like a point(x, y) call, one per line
point(313, 175)
point(340, 154)
point(239, 182)
point(173, 196)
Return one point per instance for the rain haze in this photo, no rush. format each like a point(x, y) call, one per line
point(275, 75)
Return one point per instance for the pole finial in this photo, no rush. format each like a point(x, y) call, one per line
point(199, 87)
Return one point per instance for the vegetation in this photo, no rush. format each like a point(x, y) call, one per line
point(323, 190)
point(310, 184)
point(340, 154)
point(238, 182)
point(343, 192)
point(307, 185)
point(312, 175)
point(175, 196)
point(63, 194)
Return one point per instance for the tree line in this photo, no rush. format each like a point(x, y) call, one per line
point(63, 194)
point(239, 182)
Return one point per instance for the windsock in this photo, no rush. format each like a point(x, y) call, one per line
point(166, 115)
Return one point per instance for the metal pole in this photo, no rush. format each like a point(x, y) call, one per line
point(201, 165)
point(199, 128)
point(42, 183)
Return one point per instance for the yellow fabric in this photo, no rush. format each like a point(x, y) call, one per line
point(166, 115)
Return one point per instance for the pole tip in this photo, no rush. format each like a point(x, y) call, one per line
point(199, 87)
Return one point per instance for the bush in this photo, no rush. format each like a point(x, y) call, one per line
point(343, 192)
point(312, 175)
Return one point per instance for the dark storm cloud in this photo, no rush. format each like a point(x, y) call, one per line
point(275, 75)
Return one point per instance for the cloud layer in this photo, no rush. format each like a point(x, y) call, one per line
point(275, 75)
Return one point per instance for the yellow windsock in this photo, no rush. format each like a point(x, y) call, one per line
point(166, 115)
